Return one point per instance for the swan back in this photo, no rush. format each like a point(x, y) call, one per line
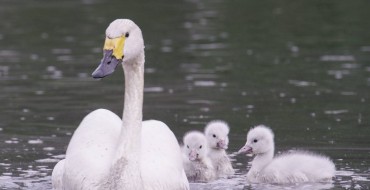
point(217, 134)
point(161, 159)
point(298, 167)
point(91, 149)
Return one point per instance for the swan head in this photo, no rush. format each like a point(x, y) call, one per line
point(217, 134)
point(260, 140)
point(123, 43)
point(195, 145)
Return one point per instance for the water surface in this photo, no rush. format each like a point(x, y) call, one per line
point(302, 68)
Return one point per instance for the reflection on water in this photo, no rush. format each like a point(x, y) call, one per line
point(301, 68)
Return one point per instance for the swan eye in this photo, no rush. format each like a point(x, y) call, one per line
point(255, 140)
point(127, 35)
point(187, 146)
point(200, 146)
point(214, 136)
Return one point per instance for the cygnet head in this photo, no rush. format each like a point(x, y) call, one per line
point(260, 140)
point(217, 134)
point(195, 145)
point(124, 42)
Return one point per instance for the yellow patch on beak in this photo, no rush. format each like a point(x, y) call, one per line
point(115, 44)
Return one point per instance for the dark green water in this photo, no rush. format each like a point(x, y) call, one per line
point(300, 67)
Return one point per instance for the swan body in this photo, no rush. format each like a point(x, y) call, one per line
point(287, 168)
point(216, 133)
point(57, 175)
point(198, 167)
point(106, 152)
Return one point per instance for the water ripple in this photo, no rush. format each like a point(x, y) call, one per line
point(337, 58)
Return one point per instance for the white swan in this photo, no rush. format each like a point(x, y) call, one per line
point(198, 167)
point(106, 152)
point(291, 167)
point(216, 133)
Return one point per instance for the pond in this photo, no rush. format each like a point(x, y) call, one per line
point(302, 68)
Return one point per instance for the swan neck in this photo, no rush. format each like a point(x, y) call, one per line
point(217, 151)
point(133, 102)
point(132, 115)
point(262, 160)
point(126, 163)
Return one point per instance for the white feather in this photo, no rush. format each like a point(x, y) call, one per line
point(291, 167)
point(216, 133)
point(198, 166)
point(106, 152)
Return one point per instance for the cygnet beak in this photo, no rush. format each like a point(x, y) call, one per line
point(221, 144)
point(193, 155)
point(246, 149)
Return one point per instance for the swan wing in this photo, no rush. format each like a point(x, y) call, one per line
point(90, 150)
point(57, 175)
point(161, 158)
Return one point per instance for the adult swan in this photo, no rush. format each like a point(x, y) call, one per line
point(106, 152)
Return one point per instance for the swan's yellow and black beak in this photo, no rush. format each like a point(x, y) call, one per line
point(113, 55)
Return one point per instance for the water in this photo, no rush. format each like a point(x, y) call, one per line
point(302, 68)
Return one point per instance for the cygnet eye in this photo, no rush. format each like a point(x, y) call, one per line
point(127, 35)
point(187, 146)
point(214, 136)
point(255, 140)
point(200, 146)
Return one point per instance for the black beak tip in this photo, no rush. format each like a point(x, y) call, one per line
point(97, 74)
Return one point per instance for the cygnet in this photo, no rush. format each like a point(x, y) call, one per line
point(217, 138)
point(198, 167)
point(289, 167)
